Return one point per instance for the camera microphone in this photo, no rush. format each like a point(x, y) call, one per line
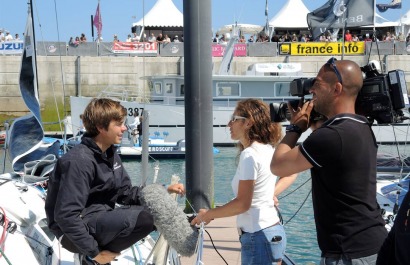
point(170, 219)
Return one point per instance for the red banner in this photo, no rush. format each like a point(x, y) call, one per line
point(218, 50)
point(135, 47)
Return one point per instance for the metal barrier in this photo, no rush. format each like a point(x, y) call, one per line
point(83, 49)
point(263, 49)
point(257, 49)
point(49, 48)
point(381, 47)
point(174, 49)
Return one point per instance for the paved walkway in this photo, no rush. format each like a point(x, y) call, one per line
point(226, 240)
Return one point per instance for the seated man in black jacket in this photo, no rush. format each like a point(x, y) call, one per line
point(85, 186)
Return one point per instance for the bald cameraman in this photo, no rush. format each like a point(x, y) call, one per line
point(342, 157)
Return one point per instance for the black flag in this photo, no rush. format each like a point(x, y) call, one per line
point(340, 13)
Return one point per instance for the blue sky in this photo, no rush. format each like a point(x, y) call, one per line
point(74, 16)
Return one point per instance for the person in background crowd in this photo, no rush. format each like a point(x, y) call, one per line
point(408, 39)
point(242, 39)
point(341, 156)
point(160, 38)
point(16, 36)
point(216, 38)
point(115, 38)
point(128, 38)
point(135, 37)
point(83, 38)
point(251, 39)
point(166, 39)
point(367, 38)
point(348, 36)
point(275, 38)
point(86, 185)
point(262, 236)
point(152, 38)
point(176, 39)
point(8, 36)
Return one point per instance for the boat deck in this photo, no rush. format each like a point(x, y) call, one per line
point(226, 240)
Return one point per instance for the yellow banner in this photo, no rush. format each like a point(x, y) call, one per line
point(322, 48)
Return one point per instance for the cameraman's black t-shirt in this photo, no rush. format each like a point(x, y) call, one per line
point(343, 153)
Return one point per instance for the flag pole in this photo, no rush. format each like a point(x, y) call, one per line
point(344, 9)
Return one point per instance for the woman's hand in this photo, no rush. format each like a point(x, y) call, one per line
point(177, 188)
point(202, 217)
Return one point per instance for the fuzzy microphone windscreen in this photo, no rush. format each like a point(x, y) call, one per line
point(170, 219)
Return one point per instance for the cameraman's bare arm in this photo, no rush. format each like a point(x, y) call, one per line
point(288, 159)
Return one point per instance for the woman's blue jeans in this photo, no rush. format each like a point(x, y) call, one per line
point(266, 246)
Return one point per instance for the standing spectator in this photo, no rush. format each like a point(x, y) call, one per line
point(152, 38)
point(116, 38)
point(262, 236)
point(275, 38)
point(355, 38)
point(176, 38)
point(341, 156)
point(160, 38)
point(128, 38)
point(216, 38)
point(1, 35)
point(251, 39)
point(367, 38)
point(303, 38)
point(408, 39)
point(348, 36)
point(8, 36)
point(135, 37)
point(16, 36)
point(242, 39)
point(144, 37)
point(400, 37)
point(166, 39)
point(83, 38)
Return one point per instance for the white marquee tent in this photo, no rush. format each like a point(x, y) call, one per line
point(163, 14)
point(292, 15)
point(404, 24)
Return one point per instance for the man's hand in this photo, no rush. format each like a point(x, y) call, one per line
point(301, 115)
point(177, 188)
point(105, 257)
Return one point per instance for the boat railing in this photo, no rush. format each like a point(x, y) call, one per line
point(125, 93)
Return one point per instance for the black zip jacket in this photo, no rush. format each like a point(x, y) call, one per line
point(83, 182)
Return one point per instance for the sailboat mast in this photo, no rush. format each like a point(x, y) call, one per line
point(30, 3)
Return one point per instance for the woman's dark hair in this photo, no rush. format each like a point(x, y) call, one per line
point(263, 130)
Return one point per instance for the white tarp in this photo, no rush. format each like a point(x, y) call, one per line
point(163, 14)
point(292, 15)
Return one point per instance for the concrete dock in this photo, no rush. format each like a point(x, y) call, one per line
point(226, 240)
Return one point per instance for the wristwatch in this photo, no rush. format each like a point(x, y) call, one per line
point(293, 128)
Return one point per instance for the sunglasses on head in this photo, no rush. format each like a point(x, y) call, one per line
point(235, 118)
point(332, 63)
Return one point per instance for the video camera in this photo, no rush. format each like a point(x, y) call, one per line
point(382, 97)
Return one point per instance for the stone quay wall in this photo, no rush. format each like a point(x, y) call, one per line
point(65, 76)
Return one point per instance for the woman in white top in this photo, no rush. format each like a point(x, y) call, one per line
point(262, 237)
